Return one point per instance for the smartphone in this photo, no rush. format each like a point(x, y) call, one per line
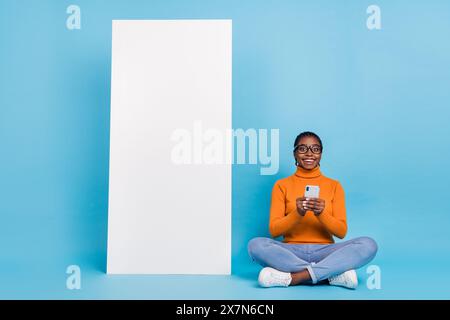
point(312, 191)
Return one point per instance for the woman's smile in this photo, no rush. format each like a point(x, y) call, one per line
point(308, 162)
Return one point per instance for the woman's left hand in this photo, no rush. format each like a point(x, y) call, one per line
point(316, 205)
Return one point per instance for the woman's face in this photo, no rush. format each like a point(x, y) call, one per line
point(308, 160)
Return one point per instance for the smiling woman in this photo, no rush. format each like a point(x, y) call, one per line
point(308, 254)
point(308, 142)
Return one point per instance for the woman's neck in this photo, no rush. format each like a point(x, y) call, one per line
point(305, 173)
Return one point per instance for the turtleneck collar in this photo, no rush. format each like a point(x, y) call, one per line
point(303, 173)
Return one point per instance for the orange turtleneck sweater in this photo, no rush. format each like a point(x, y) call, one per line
point(286, 221)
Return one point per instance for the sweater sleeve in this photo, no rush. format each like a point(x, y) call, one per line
point(333, 217)
point(280, 223)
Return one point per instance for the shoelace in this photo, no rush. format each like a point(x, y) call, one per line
point(339, 278)
point(280, 277)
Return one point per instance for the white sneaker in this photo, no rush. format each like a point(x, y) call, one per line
point(270, 277)
point(348, 279)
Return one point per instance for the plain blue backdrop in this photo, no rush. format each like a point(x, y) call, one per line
point(378, 99)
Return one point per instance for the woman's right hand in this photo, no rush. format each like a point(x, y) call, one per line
point(300, 208)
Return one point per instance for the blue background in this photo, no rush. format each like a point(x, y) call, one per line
point(378, 99)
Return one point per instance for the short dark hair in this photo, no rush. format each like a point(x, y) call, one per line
point(307, 134)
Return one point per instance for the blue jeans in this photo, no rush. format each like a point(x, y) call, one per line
point(321, 260)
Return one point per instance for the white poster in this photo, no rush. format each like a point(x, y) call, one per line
point(170, 172)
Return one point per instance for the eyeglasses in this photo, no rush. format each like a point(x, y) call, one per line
point(303, 148)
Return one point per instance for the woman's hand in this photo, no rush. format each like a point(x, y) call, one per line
point(316, 205)
point(301, 209)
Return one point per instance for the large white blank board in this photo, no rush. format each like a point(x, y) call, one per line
point(164, 217)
